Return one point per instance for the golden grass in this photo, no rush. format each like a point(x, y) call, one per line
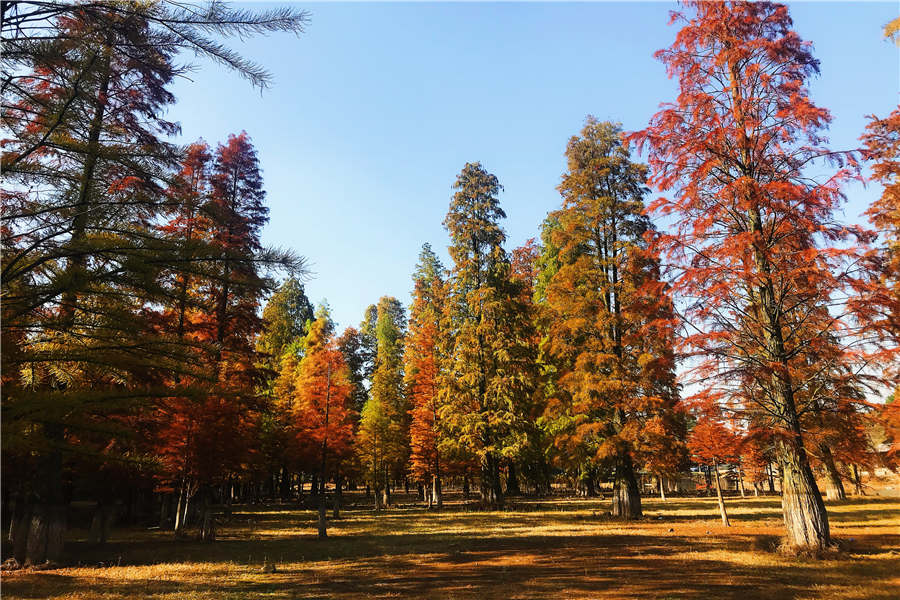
point(560, 548)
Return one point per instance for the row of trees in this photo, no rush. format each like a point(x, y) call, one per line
point(132, 269)
point(138, 366)
point(565, 352)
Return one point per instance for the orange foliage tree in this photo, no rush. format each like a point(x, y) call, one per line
point(713, 443)
point(611, 331)
point(422, 362)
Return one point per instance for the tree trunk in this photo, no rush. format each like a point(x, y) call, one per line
point(465, 487)
point(207, 518)
point(338, 496)
point(719, 496)
point(436, 492)
point(491, 486)
point(626, 502)
point(740, 474)
point(101, 523)
point(662, 488)
point(179, 508)
point(46, 534)
point(386, 490)
point(512, 480)
point(801, 503)
point(857, 482)
point(18, 528)
point(323, 522)
point(771, 478)
point(834, 487)
point(706, 474)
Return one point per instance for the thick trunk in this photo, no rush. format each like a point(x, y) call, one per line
point(45, 534)
point(626, 502)
point(662, 488)
point(740, 474)
point(491, 486)
point(834, 487)
point(721, 500)
point(801, 503)
point(18, 528)
point(512, 481)
point(101, 523)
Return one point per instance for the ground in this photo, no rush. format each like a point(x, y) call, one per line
point(555, 548)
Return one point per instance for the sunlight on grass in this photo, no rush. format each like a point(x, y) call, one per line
point(556, 548)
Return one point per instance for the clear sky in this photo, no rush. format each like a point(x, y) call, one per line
point(376, 108)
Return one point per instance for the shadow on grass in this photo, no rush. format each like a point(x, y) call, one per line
point(462, 566)
point(412, 553)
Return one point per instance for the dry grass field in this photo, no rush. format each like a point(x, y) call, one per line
point(557, 548)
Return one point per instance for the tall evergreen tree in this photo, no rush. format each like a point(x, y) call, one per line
point(484, 384)
point(611, 330)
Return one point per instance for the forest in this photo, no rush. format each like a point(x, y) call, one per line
point(695, 320)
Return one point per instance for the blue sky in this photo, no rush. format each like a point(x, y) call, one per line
point(377, 107)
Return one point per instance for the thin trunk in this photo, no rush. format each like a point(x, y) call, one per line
point(338, 496)
point(207, 517)
point(662, 489)
point(179, 515)
point(323, 524)
point(719, 496)
point(857, 481)
point(436, 492)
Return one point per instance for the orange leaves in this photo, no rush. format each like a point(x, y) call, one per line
point(321, 400)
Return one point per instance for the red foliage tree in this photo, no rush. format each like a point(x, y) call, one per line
point(713, 443)
point(754, 234)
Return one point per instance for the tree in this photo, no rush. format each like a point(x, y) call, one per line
point(384, 425)
point(350, 345)
point(483, 383)
point(611, 331)
point(422, 364)
point(321, 409)
point(713, 443)
point(286, 319)
point(877, 303)
point(754, 236)
point(78, 260)
point(84, 263)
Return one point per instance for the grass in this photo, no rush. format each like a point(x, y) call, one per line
point(558, 548)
